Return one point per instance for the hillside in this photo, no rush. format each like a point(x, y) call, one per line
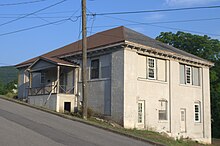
point(8, 74)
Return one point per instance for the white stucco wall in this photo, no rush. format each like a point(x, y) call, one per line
point(61, 98)
point(138, 88)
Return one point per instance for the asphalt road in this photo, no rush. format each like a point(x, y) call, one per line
point(24, 126)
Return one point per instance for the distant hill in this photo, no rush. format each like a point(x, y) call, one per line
point(8, 74)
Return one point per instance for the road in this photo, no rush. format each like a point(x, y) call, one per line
point(24, 126)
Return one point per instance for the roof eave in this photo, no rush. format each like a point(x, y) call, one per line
point(169, 54)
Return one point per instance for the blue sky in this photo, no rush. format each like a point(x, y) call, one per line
point(18, 47)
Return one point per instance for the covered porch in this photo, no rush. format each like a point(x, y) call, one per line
point(53, 84)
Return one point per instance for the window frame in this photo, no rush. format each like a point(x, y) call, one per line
point(42, 77)
point(92, 69)
point(197, 113)
point(154, 68)
point(186, 74)
point(140, 115)
point(163, 111)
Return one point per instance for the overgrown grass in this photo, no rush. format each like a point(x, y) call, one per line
point(147, 135)
point(11, 95)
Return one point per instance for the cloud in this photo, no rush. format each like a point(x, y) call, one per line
point(188, 2)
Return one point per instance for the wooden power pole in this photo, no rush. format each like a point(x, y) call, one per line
point(84, 61)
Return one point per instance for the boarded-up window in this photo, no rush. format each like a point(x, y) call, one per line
point(161, 70)
point(182, 74)
point(105, 72)
point(196, 76)
point(95, 69)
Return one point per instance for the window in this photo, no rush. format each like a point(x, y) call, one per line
point(163, 110)
point(189, 75)
point(140, 111)
point(151, 68)
point(197, 112)
point(43, 78)
point(94, 69)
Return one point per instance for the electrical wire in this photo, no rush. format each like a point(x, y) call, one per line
point(157, 10)
point(33, 27)
point(159, 26)
point(161, 22)
point(22, 3)
point(11, 21)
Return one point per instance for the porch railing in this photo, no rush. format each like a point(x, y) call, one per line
point(46, 90)
point(42, 90)
point(66, 89)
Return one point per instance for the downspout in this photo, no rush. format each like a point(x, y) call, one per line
point(170, 93)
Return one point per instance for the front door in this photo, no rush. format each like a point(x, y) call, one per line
point(183, 120)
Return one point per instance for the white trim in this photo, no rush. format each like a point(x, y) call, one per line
point(199, 112)
point(154, 68)
point(190, 75)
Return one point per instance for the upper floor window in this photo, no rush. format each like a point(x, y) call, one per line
point(151, 68)
point(163, 110)
point(94, 69)
point(197, 112)
point(189, 75)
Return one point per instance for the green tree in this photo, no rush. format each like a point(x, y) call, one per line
point(2, 88)
point(207, 48)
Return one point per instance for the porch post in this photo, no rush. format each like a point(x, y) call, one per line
point(30, 79)
point(75, 80)
point(58, 79)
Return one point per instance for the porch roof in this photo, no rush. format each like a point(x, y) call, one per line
point(52, 63)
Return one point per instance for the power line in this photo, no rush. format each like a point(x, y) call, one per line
point(30, 28)
point(162, 22)
point(70, 18)
point(33, 17)
point(153, 11)
point(56, 12)
point(5, 23)
point(21, 3)
point(172, 28)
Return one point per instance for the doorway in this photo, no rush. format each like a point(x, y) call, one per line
point(67, 106)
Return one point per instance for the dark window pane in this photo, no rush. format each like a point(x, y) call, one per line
point(95, 69)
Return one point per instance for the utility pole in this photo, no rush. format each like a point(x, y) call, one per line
point(84, 62)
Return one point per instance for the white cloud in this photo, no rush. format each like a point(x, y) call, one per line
point(188, 2)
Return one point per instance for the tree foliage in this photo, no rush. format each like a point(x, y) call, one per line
point(207, 48)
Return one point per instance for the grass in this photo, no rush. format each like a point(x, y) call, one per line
point(148, 135)
point(144, 135)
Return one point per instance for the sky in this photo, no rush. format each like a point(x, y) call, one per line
point(17, 47)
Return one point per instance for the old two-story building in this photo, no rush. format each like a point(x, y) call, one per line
point(136, 81)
